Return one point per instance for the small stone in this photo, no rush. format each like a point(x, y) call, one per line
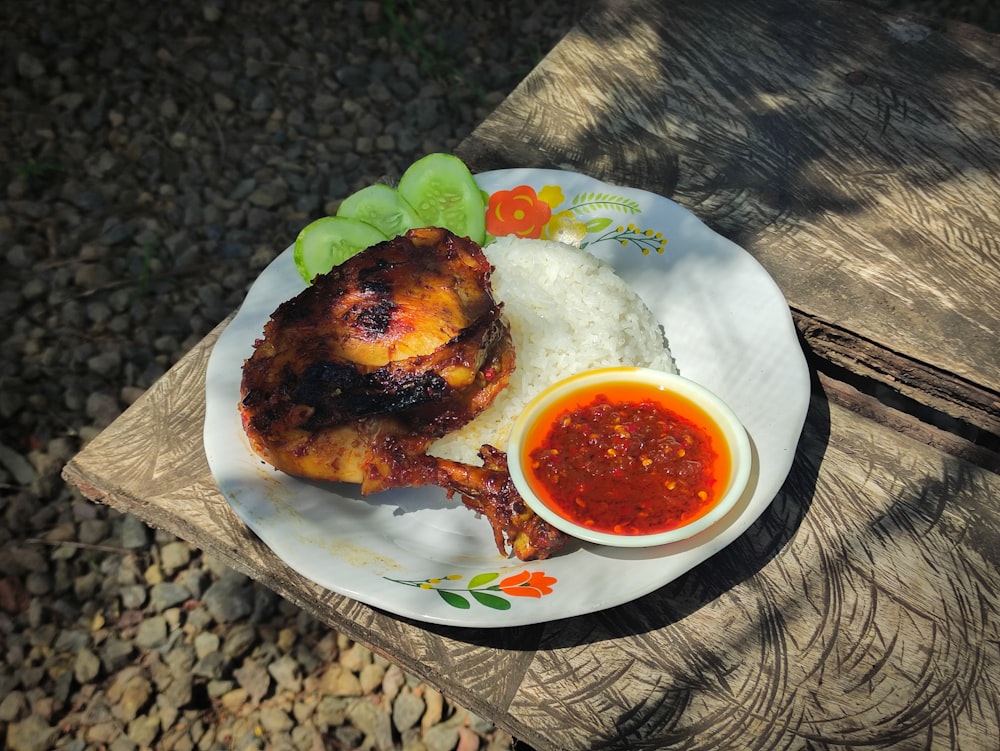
point(17, 465)
point(117, 233)
point(102, 733)
point(206, 643)
point(216, 689)
point(235, 699)
point(239, 640)
point(181, 659)
point(275, 720)
point(153, 574)
point(286, 674)
point(86, 586)
point(167, 711)
point(134, 533)
point(304, 707)
point(30, 66)
point(372, 12)
point(86, 666)
point(166, 595)
point(407, 710)
point(268, 196)
point(355, 658)
point(392, 682)
point(38, 583)
point(467, 740)
point(373, 722)
point(371, 677)
point(133, 596)
point(192, 580)
point(339, 681)
point(143, 730)
point(116, 653)
point(222, 102)
point(106, 365)
point(179, 692)
point(211, 666)
point(230, 598)
point(305, 737)
point(129, 693)
point(211, 13)
point(254, 678)
point(152, 632)
point(174, 556)
point(286, 638)
point(93, 531)
point(168, 109)
point(330, 712)
point(32, 733)
point(441, 738)
point(435, 708)
point(198, 619)
point(13, 706)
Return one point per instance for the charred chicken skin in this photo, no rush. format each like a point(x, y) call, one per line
point(356, 376)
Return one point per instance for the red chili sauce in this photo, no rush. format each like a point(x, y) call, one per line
point(627, 459)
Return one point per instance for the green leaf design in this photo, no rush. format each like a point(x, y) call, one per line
point(456, 601)
point(490, 601)
point(596, 225)
point(586, 203)
point(482, 579)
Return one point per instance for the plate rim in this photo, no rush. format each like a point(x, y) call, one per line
point(492, 618)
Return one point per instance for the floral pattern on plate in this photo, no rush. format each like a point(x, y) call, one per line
point(481, 588)
point(546, 214)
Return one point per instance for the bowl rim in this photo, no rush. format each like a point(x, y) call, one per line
point(721, 413)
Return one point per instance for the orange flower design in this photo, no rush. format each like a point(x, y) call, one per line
point(527, 584)
point(518, 211)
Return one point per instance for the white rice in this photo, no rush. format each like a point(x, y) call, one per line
point(568, 312)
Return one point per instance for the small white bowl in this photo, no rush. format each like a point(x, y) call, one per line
point(662, 387)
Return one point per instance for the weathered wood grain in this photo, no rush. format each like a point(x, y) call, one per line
point(857, 156)
point(862, 608)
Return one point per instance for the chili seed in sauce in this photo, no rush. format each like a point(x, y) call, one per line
point(628, 467)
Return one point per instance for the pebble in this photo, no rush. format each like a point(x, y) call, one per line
point(165, 595)
point(134, 534)
point(407, 709)
point(86, 666)
point(174, 556)
point(229, 598)
point(31, 734)
point(152, 632)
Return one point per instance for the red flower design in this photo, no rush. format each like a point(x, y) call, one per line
point(527, 584)
point(518, 211)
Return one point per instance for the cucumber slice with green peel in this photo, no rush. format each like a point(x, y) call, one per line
point(330, 241)
point(383, 207)
point(444, 193)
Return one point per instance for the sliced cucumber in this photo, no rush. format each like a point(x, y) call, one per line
point(331, 240)
point(382, 207)
point(444, 193)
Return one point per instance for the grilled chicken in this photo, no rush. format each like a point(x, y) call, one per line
point(355, 377)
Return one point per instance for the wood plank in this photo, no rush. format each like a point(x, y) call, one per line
point(863, 607)
point(855, 155)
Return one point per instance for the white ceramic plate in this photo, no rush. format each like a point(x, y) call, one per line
point(417, 554)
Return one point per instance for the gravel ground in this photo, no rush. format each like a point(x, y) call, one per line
point(153, 159)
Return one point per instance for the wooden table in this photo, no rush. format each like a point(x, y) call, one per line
point(857, 157)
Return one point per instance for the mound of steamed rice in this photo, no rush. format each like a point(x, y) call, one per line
point(568, 312)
